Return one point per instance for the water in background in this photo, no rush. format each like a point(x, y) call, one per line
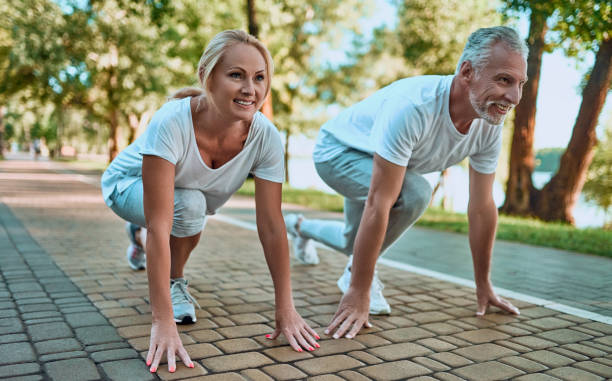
point(302, 174)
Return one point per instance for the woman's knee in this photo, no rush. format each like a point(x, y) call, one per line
point(189, 212)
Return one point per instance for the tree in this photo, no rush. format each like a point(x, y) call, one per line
point(598, 186)
point(581, 25)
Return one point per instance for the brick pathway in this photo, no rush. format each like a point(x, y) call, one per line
point(70, 308)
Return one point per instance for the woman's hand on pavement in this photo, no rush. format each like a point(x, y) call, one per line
point(298, 333)
point(352, 314)
point(165, 340)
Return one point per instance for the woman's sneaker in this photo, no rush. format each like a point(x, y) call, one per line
point(303, 248)
point(378, 304)
point(135, 253)
point(182, 302)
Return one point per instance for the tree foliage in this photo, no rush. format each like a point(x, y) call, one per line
point(598, 186)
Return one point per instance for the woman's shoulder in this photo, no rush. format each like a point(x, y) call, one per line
point(175, 112)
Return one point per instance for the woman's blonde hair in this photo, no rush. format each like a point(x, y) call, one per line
point(213, 53)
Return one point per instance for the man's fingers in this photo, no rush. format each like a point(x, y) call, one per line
point(346, 324)
point(507, 306)
point(482, 308)
point(355, 329)
point(368, 324)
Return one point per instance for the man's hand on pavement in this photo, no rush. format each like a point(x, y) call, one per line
point(487, 297)
point(352, 314)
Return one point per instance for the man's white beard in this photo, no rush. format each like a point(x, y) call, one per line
point(482, 110)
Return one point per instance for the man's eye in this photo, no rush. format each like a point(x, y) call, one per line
point(505, 79)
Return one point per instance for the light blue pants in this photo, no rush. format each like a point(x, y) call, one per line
point(350, 174)
point(189, 209)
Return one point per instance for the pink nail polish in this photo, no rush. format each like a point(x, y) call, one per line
point(299, 349)
point(317, 337)
point(148, 363)
point(153, 370)
point(317, 345)
point(191, 365)
point(311, 349)
point(268, 336)
point(171, 370)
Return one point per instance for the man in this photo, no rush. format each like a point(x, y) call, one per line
point(374, 153)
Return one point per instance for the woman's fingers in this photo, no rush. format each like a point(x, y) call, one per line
point(159, 352)
point(184, 356)
point(171, 360)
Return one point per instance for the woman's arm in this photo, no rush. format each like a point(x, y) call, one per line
point(273, 237)
point(158, 187)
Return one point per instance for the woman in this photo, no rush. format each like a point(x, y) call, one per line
point(196, 152)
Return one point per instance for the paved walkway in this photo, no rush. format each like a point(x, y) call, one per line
point(70, 309)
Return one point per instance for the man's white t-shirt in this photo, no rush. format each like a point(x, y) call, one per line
point(408, 123)
point(170, 135)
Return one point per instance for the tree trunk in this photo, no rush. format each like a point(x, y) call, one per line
point(519, 188)
point(557, 199)
point(1, 132)
point(113, 146)
point(286, 158)
point(266, 109)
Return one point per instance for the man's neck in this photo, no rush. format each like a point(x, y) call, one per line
point(461, 111)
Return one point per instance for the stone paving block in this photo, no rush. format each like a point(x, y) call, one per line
point(85, 319)
point(537, 312)
point(250, 318)
point(399, 351)
point(58, 345)
point(352, 375)
point(237, 345)
point(255, 375)
point(405, 334)
point(13, 338)
point(523, 364)
point(536, 377)
point(441, 328)
point(396, 370)
point(571, 354)
point(284, 372)
point(481, 336)
point(19, 370)
point(107, 346)
point(114, 354)
point(73, 369)
point(328, 364)
point(205, 335)
point(430, 364)
point(127, 370)
point(8, 313)
point(47, 331)
point(326, 377)
point(512, 331)
point(484, 352)
point(606, 340)
point(286, 354)
point(586, 350)
point(135, 331)
point(491, 370)
point(16, 353)
point(181, 372)
point(597, 326)
point(97, 335)
point(365, 357)
point(564, 336)
point(445, 376)
point(245, 330)
point(533, 342)
point(236, 361)
point(596, 368)
point(451, 359)
point(230, 376)
point(549, 358)
point(10, 325)
point(202, 350)
point(370, 340)
point(568, 373)
point(430, 317)
point(549, 323)
point(62, 356)
point(436, 345)
point(131, 320)
point(334, 346)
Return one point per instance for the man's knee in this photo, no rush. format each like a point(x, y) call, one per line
point(189, 212)
point(415, 195)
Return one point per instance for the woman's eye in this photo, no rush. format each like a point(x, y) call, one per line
point(235, 75)
point(260, 78)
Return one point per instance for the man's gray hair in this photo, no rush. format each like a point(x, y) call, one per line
point(478, 47)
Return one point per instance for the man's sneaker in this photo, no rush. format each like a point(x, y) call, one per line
point(378, 304)
point(303, 248)
point(182, 302)
point(135, 253)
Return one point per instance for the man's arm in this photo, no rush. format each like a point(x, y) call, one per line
point(482, 217)
point(385, 187)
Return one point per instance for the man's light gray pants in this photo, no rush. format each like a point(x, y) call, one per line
point(350, 174)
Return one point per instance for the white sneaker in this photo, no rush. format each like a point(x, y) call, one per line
point(378, 304)
point(303, 248)
point(182, 302)
point(135, 254)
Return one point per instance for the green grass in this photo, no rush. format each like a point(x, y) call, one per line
point(525, 230)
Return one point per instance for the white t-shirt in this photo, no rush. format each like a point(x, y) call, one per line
point(408, 123)
point(170, 135)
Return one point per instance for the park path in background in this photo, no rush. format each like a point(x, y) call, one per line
point(70, 308)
